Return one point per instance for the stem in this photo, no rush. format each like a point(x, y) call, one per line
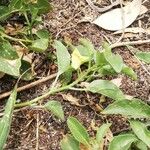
point(15, 39)
point(29, 24)
point(53, 91)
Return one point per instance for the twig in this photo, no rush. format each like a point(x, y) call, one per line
point(30, 85)
point(139, 61)
point(119, 44)
point(90, 3)
point(37, 132)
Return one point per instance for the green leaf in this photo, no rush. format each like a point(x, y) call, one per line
point(69, 143)
point(99, 58)
point(106, 70)
point(106, 49)
point(130, 108)
point(11, 67)
point(101, 132)
point(88, 45)
point(63, 57)
point(115, 61)
point(56, 108)
point(144, 56)
point(5, 121)
point(78, 130)
point(7, 51)
point(43, 6)
point(26, 71)
point(43, 34)
point(4, 13)
point(122, 142)
point(141, 131)
point(141, 145)
point(39, 45)
point(129, 71)
point(106, 88)
point(67, 76)
point(15, 5)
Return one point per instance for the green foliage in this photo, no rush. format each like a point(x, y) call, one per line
point(63, 57)
point(56, 108)
point(10, 61)
point(144, 56)
point(131, 108)
point(106, 88)
point(80, 136)
point(101, 132)
point(78, 131)
point(5, 121)
point(69, 143)
point(122, 142)
point(141, 131)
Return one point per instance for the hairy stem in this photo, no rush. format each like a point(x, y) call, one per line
point(55, 90)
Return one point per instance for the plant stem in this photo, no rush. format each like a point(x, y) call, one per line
point(29, 24)
point(54, 90)
point(14, 39)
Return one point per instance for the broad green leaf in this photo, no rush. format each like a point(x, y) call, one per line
point(115, 61)
point(26, 70)
point(141, 145)
point(43, 34)
point(106, 49)
point(78, 59)
point(5, 121)
point(7, 51)
point(129, 71)
point(43, 6)
point(4, 13)
point(88, 45)
point(141, 131)
point(39, 45)
point(106, 70)
point(106, 88)
point(67, 76)
point(11, 67)
point(144, 56)
point(83, 51)
point(56, 108)
point(122, 142)
point(69, 143)
point(131, 108)
point(99, 58)
point(101, 132)
point(63, 57)
point(78, 131)
point(15, 5)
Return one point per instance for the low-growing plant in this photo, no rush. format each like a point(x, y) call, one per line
point(15, 48)
point(89, 65)
point(138, 138)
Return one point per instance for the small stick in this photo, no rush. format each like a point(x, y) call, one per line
point(96, 8)
point(119, 44)
point(37, 132)
point(28, 86)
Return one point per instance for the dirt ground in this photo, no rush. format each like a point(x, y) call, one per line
point(68, 19)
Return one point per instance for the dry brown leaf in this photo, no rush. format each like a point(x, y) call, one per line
point(20, 50)
point(71, 99)
point(119, 18)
